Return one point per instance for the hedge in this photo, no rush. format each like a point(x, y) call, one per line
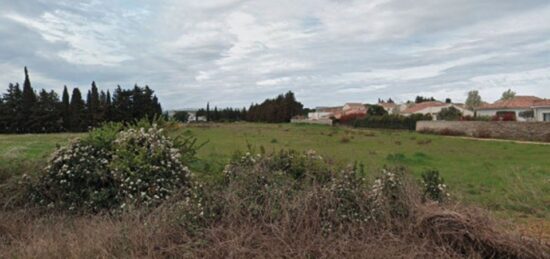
point(391, 121)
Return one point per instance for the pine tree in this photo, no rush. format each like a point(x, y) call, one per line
point(78, 112)
point(122, 105)
point(11, 112)
point(46, 115)
point(28, 101)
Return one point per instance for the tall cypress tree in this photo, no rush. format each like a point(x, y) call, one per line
point(78, 112)
point(65, 112)
point(93, 106)
point(207, 111)
point(108, 116)
point(28, 101)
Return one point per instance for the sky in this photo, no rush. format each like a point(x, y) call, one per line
point(235, 52)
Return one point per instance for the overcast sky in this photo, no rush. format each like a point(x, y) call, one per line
point(234, 52)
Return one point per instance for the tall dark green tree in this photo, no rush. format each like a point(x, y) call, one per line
point(23, 111)
point(93, 106)
point(280, 109)
point(11, 111)
point(27, 103)
point(78, 112)
point(47, 114)
point(421, 99)
point(122, 105)
point(207, 111)
point(107, 110)
point(65, 108)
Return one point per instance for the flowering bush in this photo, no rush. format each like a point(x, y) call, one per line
point(348, 190)
point(77, 177)
point(113, 168)
point(146, 166)
point(434, 186)
point(388, 194)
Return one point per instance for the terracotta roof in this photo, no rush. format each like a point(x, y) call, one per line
point(356, 105)
point(421, 106)
point(387, 105)
point(514, 103)
point(542, 103)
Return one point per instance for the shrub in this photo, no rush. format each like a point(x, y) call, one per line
point(376, 110)
point(434, 186)
point(78, 176)
point(388, 194)
point(114, 168)
point(290, 204)
point(351, 118)
point(262, 186)
point(396, 157)
point(146, 166)
point(345, 139)
point(504, 116)
point(391, 121)
point(449, 114)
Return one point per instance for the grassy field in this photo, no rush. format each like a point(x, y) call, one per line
point(507, 178)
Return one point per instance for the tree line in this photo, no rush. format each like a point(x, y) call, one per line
point(25, 111)
point(279, 109)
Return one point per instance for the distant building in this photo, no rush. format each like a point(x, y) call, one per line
point(391, 108)
point(322, 113)
point(433, 108)
point(354, 109)
point(522, 108)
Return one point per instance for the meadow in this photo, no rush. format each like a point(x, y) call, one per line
point(510, 179)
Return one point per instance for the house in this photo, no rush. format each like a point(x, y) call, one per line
point(541, 110)
point(322, 113)
point(433, 108)
point(522, 108)
point(329, 113)
point(354, 109)
point(391, 108)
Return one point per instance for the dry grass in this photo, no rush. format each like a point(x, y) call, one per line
point(429, 230)
point(263, 211)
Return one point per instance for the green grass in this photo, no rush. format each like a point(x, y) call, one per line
point(508, 178)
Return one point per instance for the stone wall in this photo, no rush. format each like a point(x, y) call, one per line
point(320, 121)
point(529, 131)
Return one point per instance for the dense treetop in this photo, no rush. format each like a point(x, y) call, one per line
point(26, 111)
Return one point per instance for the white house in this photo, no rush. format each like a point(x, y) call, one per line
point(433, 109)
point(522, 108)
point(323, 113)
point(541, 110)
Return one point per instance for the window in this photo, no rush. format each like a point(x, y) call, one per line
point(546, 116)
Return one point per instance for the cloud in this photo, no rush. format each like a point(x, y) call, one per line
point(89, 43)
point(234, 52)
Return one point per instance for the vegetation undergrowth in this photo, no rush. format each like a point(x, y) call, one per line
point(281, 204)
point(114, 167)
